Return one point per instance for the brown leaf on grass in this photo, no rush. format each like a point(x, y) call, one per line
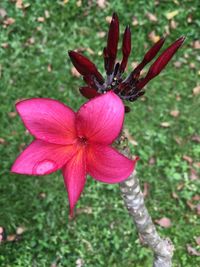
point(165, 124)
point(178, 97)
point(164, 222)
point(2, 141)
point(80, 262)
point(188, 159)
point(101, 3)
point(152, 161)
point(178, 140)
point(172, 14)
point(130, 137)
point(198, 209)
point(197, 164)
point(196, 198)
point(189, 18)
point(9, 21)
point(108, 19)
point(41, 19)
point(173, 24)
point(153, 37)
point(46, 14)
point(180, 186)
point(192, 65)
point(177, 64)
point(196, 138)
point(146, 190)
point(197, 239)
point(196, 90)
point(193, 175)
point(3, 13)
point(191, 205)
point(20, 230)
point(12, 114)
point(49, 68)
point(135, 21)
point(174, 195)
point(196, 44)
point(101, 34)
point(192, 251)
point(86, 210)
point(19, 4)
point(151, 17)
point(30, 41)
point(74, 72)
point(11, 238)
point(174, 113)
point(4, 45)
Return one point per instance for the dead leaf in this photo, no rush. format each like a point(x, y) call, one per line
point(65, 1)
point(196, 90)
point(12, 114)
point(87, 210)
point(177, 64)
point(2, 141)
point(101, 3)
point(164, 222)
point(41, 19)
point(135, 21)
point(4, 45)
point(30, 41)
point(90, 51)
point(196, 198)
point(19, 4)
point(197, 164)
point(146, 190)
point(190, 204)
point(153, 37)
point(20, 230)
point(172, 14)
point(152, 161)
point(188, 159)
point(74, 72)
point(11, 238)
point(79, 3)
point(197, 239)
point(178, 97)
point(49, 68)
point(46, 14)
point(108, 19)
point(9, 21)
point(196, 44)
point(193, 175)
point(3, 13)
point(42, 195)
point(198, 209)
point(101, 34)
point(79, 262)
point(192, 65)
point(130, 137)
point(180, 186)
point(192, 251)
point(173, 24)
point(174, 195)
point(165, 124)
point(151, 17)
point(196, 138)
point(178, 140)
point(189, 18)
point(174, 113)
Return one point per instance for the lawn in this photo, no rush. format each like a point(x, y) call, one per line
point(164, 125)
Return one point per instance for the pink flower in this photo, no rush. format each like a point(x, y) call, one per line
point(78, 143)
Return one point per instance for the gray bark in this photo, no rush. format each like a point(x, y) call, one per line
point(133, 197)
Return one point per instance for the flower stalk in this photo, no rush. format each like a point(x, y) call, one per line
point(134, 201)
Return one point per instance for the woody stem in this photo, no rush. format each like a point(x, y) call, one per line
point(133, 197)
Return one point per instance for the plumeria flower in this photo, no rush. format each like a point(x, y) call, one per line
point(79, 142)
point(131, 87)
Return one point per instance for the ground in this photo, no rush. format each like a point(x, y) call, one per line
point(163, 127)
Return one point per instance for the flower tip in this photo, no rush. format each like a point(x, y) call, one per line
point(114, 16)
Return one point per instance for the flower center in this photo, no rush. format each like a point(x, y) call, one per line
point(83, 140)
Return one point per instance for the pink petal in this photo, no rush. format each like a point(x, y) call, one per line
point(107, 165)
point(48, 120)
point(100, 119)
point(41, 158)
point(74, 173)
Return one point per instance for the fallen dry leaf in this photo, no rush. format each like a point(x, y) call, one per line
point(80, 262)
point(196, 90)
point(4, 45)
point(135, 21)
point(9, 21)
point(165, 124)
point(197, 164)
point(192, 251)
point(188, 159)
point(198, 209)
point(196, 198)
point(74, 72)
point(101, 34)
point(189, 18)
point(11, 238)
point(164, 222)
point(196, 44)
point(193, 175)
point(173, 24)
point(196, 138)
point(2, 141)
point(174, 195)
point(197, 239)
point(19, 4)
point(87, 210)
point(180, 186)
point(190, 204)
point(41, 19)
point(151, 17)
point(20, 230)
point(170, 15)
point(174, 113)
point(101, 3)
point(49, 68)
point(177, 64)
point(192, 65)
point(153, 37)
point(152, 161)
point(130, 137)
point(79, 3)
point(46, 14)
point(108, 19)
point(146, 190)
point(3, 13)
point(12, 114)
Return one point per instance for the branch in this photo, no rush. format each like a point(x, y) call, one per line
point(133, 197)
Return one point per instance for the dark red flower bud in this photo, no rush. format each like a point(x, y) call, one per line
point(88, 92)
point(164, 58)
point(84, 66)
point(112, 42)
point(161, 62)
point(151, 53)
point(126, 48)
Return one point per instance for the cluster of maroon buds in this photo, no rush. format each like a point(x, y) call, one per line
point(131, 87)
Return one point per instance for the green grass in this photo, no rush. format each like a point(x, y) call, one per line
point(106, 236)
